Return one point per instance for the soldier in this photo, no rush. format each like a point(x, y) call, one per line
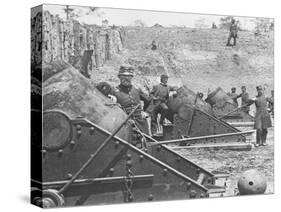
point(244, 99)
point(129, 97)
point(153, 45)
point(160, 95)
point(262, 118)
point(233, 30)
point(234, 96)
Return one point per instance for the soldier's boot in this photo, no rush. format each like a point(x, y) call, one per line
point(258, 137)
point(228, 41)
point(263, 137)
point(234, 41)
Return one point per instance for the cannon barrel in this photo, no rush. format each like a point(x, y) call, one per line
point(186, 96)
point(70, 92)
point(219, 97)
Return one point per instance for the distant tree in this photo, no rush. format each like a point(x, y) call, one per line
point(72, 13)
point(138, 23)
point(200, 23)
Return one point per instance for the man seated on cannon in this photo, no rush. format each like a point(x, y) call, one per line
point(159, 94)
point(128, 96)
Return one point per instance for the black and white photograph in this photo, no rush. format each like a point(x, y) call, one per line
point(132, 106)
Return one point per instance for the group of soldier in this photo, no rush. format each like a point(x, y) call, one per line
point(264, 106)
point(128, 97)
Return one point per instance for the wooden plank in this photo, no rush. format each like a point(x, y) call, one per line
point(229, 146)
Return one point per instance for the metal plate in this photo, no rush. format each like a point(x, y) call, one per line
point(57, 130)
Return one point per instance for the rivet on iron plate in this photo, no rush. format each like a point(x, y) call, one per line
point(141, 157)
point(193, 194)
point(116, 144)
point(69, 176)
point(198, 171)
point(129, 156)
point(145, 150)
point(60, 152)
point(165, 172)
point(78, 127)
point(72, 143)
point(202, 195)
point(188, 186)
point(158, 148)
point(150, 197)
point(79, 133)
point(111, 171)
point(129, 164)
point(44, 151)
point(178, 159)
point(92, 129)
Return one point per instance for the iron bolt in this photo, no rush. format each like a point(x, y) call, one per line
point(150, 197)
point(72, 142)
point(129, 164)
point(111, 171)
point(141, 157)
point(129, 156)
point(158, 148)
point(69, 176)
point(92, 129)
point(78, 127)
point(60, 152)
point(165, 172)
point(192, 194)
point(116, 144)
point(188, 186)
point(44, 151)
point(79, 132)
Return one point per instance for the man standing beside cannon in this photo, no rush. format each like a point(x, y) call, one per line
point(244, 99)
point(160, 95)
point(262, 118)
point(233, 96)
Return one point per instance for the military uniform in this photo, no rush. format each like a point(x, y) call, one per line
point(233, 30)
point(244, 101)
point(262, 118)
point(160, 94)
point(129, 97)
point(234, 97)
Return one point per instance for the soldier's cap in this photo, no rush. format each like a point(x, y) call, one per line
point(259, 88)
point(164, 76)
point(243, 87)
point(233, 88)
point(126, 70)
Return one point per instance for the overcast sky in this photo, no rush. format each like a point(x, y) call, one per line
point(125, 17)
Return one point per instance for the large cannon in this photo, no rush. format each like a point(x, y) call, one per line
point(89, 156)
point(192, 117)
point(223, 107)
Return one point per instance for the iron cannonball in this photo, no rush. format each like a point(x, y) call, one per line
point(251, 182)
